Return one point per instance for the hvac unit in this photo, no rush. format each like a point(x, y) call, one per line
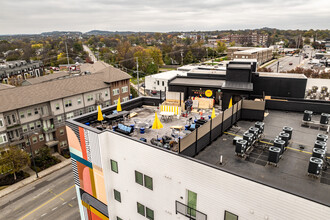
point(319, 153)
point(324, 120)
point(320, 144)
point(285, 137)
point(280, 144)
point(240, 146)
point(315, 165)
point(322, 137)
point(248, 137)
point(307, 115)
point(274, 154)
point(260, 125)
point(288, 130)
point(254, 131)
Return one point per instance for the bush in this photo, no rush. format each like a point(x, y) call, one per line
point(44, 159)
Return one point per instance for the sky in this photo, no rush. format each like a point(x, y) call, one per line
point(36, 16)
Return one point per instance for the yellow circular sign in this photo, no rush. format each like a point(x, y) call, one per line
point(208, 93)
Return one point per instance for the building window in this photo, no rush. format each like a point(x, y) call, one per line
point(21, 115)
point(114, 166)
point(107, 103)
point(14, 119)
point(163, 83)
point(1, 123)
point(125, 99)
point(230, 216)
point(29, 113)
point(63, 144)
point(90, 108)
point(157, 82)
point(140, 209)
point(3, 138)
point(38, 123)
point(106, 93)
point(59, 118)
point(57, 106)
point(139, 178)
point(68, 103)
point(115, 92)
point(115, 101)
point(192, 203)
point(148, 182)
point(8, 120)
point(34, 140)
point(36, 111)
point(24, 127)
point(31, 125)
point(69, 115)
point(41, 137)
point(79, 101)
point(81, 112)
point(117, 195)
point(90, 98)
point(124, 89)
point(61, 131)
point(150, 213)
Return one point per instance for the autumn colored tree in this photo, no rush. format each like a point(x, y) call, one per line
point(15, 160)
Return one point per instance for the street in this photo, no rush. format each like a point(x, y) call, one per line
point(284, 62)
point(52, 197)
point(90, 53)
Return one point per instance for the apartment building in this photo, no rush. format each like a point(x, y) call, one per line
point(35, 114)
point(13, 72)
point(261, 54)
point(250, 39)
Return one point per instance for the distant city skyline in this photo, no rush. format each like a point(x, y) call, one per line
point(36, 16)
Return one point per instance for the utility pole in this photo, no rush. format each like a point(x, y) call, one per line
point(137, 72)
point(278, 63)
point(207, 53)
point(67, 56)
point(181, 57)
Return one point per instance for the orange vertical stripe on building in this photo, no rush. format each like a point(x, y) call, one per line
point(82, 142)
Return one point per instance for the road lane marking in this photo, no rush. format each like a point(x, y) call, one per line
point(70, 205)
point(40, 193)
point(43, 214)
point(73, 198)
point(64, 203)
point(61, 198)
point(54, 208)
point(42, 205)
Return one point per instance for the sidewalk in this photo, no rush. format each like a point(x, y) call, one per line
point(32, 178)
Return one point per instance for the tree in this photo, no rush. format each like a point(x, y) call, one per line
point(16, 159)
point(232, 44)
point(221, 47)
point(307, 41)
point(189, 58)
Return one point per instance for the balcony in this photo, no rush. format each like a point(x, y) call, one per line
point(189, 212)
point(16, 141)
point(46, 116)
point(52, 143)
point(49, 129)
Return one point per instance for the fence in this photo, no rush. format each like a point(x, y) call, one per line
point(197, 140)
point(201, 137)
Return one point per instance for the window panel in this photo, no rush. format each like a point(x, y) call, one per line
point(150, 213)
point(117, 195)
point(230, 216)
point(140, 209)
point(139, 178)
point(148, 182)
point(114, 166)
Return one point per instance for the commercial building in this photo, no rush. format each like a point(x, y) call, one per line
point(122, 174)
point(261, 54)
point(13, 72)
point(36, 114)
point(252, 39)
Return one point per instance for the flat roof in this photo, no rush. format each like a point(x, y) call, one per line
point(243, 86)
point(209, 71)
point(283, 75)
point(291, 173)
point(168, 74)
point(212, 83)
point(6, 86)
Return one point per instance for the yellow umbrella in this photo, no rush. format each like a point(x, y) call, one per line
point(157, 124)
point(99, 114)
point(118, 105)
point(230, 103)
point(213, 114)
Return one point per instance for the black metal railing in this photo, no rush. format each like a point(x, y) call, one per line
point(189, 212)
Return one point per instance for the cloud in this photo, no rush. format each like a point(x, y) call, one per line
point(36, 16)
